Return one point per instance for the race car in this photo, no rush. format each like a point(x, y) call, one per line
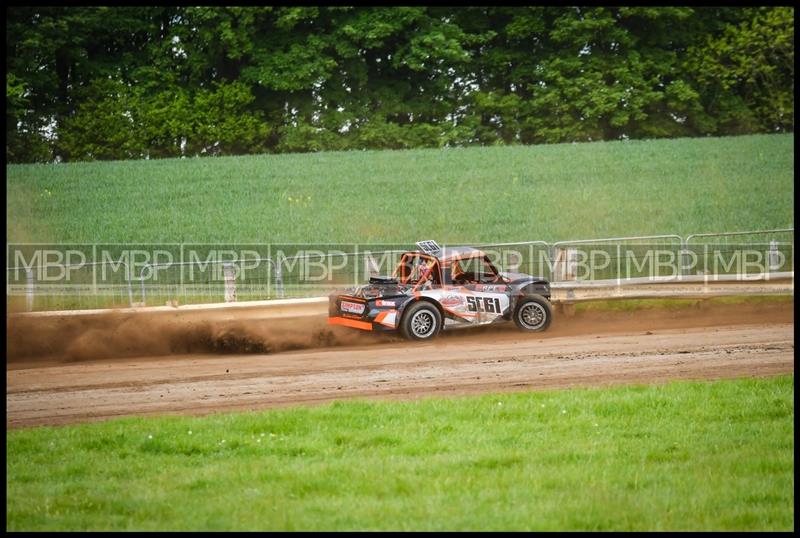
point(439, 288)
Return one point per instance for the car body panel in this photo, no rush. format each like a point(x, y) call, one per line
point(379, 304)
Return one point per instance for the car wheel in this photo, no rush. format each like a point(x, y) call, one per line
point(533, 313)
point(421, 321)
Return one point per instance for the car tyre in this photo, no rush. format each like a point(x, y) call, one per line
point(533, 313)
point(421, 321)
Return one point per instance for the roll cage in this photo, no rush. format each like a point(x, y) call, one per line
point(420, 269)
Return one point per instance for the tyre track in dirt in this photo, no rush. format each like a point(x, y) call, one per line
point(590, 350)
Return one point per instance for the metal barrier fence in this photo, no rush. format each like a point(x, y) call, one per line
point(740, 253)
point(316, 272)
point(311, 275)
point(617, 258)
point(104, 284)
point(209, 281)
point(305, 275)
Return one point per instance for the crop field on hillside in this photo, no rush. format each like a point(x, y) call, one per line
point(680, 456)
point(487, 194)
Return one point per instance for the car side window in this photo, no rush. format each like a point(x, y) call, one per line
point(472, 271)
point(489, 273)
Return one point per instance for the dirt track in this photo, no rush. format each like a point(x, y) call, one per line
point(69, 371)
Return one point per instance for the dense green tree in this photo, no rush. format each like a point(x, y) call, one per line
point(88, 83)
point(745, 73)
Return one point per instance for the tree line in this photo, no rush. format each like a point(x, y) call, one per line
point(86, 83)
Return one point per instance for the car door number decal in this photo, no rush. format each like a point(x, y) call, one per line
point(484, 304)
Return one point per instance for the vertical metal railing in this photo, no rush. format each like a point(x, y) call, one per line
point(617, 258)
point(743, 253)
point(81, 286)
point(306, 275)
point(108, 283)
point(197, 282)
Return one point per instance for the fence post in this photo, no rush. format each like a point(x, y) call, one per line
point(279, 280)
point(28, 290)
point(682, 262)
point(229, 272)
point(558, 263)
point(774, 264)
point(553, 273)
point(129, 278)
point(566, 262)
point(141, 280)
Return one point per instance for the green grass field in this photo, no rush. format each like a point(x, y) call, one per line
point(473, 195)
point(681, 456)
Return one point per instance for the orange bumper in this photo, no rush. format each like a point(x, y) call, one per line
point(347, 322)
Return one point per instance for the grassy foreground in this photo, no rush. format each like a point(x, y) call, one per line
point(474, 195)
point(681, 456)
point(632, 305)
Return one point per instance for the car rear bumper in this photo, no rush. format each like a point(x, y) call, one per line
point(359, 313)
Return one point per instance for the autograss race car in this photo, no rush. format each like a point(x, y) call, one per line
point(441, 288)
